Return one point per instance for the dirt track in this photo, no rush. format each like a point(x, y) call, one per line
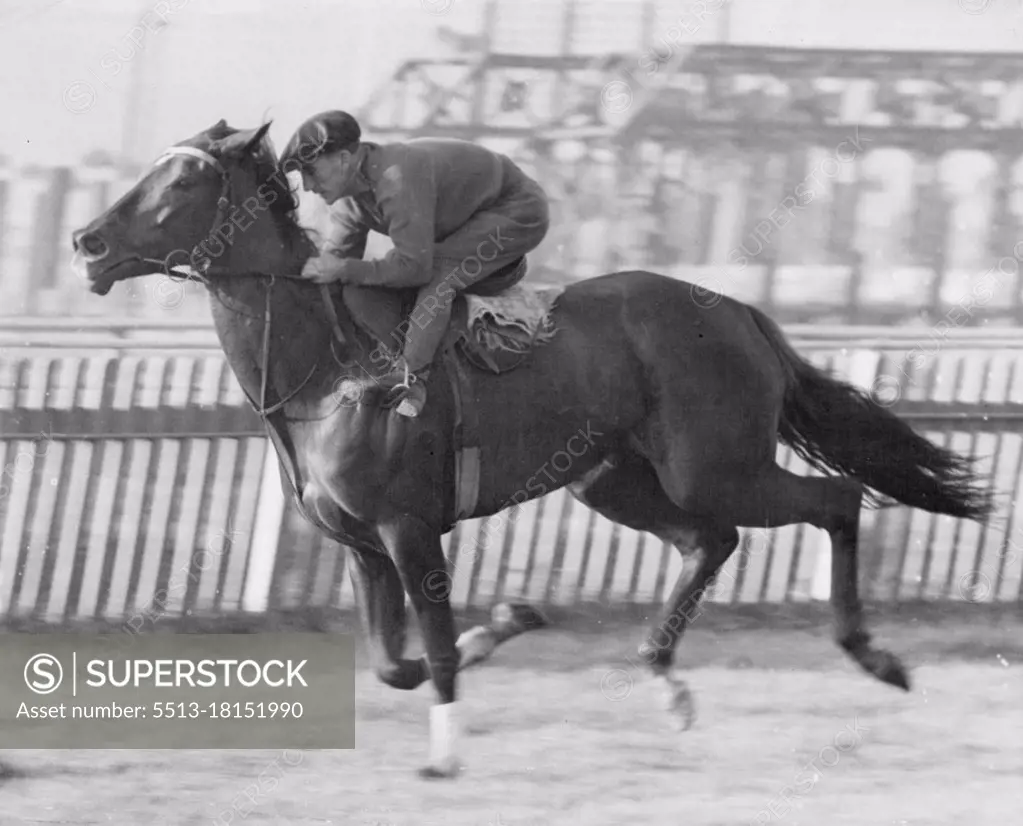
point(776, 709)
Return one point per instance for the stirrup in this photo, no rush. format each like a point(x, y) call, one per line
point(412, 401)
point(399, 391)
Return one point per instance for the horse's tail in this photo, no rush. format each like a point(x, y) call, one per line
point(833, 425)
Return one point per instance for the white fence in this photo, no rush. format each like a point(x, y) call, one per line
point(137, 481)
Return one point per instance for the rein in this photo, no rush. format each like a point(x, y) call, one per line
point(262, 410)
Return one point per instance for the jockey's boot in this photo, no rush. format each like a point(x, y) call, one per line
point(405, 388)
point(412, 403)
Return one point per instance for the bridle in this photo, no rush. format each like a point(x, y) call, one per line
point(223, 206)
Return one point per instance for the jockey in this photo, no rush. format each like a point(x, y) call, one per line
point(454, 211)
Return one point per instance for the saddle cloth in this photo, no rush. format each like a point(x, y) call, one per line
point(496, 332)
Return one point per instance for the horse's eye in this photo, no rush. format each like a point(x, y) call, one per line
point(182, 183)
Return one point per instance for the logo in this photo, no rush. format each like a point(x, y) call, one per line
point(437, 7)
point(43, 673)
point(616, 97)
point(706, 293)
point(885, 391)
point(616, 685)
point(974, 6)
point(975, 586)
point(437, 586)
point(169, 294)
point(79, 97)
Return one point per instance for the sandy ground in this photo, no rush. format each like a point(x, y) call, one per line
point(564, 729)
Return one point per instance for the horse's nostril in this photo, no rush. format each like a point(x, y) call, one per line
point(92, 244)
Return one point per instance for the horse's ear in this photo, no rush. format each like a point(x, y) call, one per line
point(244, 142)
point(257, 137)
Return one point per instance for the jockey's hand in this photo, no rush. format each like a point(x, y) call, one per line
point(323, 269)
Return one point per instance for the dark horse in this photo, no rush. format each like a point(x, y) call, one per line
point(675, 410)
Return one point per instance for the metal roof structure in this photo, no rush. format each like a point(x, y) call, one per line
point(688, 149)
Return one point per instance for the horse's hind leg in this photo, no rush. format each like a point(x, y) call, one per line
point(835, 505)
point(772, 497)
point(832, 504)
point(628, 491)
point(714, 543)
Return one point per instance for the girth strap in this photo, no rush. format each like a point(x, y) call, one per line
point(465, 438)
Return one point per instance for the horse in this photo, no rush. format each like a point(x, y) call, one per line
point(675, 405)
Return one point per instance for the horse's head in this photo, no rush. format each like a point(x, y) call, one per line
point(217, 201)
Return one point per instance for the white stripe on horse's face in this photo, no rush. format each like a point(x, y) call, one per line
point(170, 206)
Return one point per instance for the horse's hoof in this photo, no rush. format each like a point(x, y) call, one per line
point(449, 772)
point(887, 668)
point(476, 645)
point(516, 618)
point(680, 704)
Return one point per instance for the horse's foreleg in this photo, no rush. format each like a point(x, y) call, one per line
point(418, 555)
point(381, 602)
point(629, 491)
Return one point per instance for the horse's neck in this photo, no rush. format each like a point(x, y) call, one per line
point(296, 342)
point(299, 339)
point(301, 331)
point(275, 250)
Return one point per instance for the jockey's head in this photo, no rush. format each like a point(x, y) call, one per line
point(324, 150)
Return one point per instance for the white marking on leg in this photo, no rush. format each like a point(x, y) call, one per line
point(444, 737)
point(667, 684)
point(678, 699)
